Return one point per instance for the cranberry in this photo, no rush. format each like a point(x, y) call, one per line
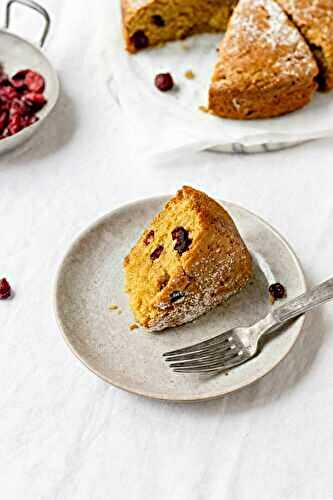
point(277, 291)
point(15, 124)
point(35, 82)
point(183, 242)
point(20, 99)
point(158, 20)
point(156, 253)
point(3, 120)
point(174, 296)
point(18, 107)
point(163, 82)
point(34, 100)
point(29, 80)
point(149, 237)
point(140, 40)
point(18, 80)
point(5, 290)
point(8, 93)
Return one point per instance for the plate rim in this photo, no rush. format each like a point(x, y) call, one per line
point(160, 397)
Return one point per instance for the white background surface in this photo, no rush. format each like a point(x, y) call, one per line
point(65, 434)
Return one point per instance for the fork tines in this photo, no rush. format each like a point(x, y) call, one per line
point(216, 354)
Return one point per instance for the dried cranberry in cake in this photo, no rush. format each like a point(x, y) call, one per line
point(277, 291)
point(174, 296)
point(157, 252)
point(158, 20)
point(5, 290)
point(183, 242)
point(149, 237)
point(163, 82)
point(140, 40)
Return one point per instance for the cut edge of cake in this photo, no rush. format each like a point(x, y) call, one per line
point(154, 22)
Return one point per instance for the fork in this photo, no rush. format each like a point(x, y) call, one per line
point(238, 345)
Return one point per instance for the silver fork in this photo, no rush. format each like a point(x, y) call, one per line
point(238, 345)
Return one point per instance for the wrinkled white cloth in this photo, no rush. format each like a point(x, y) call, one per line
point(67, 435)
point(167, 125)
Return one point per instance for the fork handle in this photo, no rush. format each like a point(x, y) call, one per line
point(308, 300)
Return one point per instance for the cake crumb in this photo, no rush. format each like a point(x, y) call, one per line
point(189, 74)
point(133, 326)
point(119, 311)
point(184, 46)
point(113, 307)
point(204, 109)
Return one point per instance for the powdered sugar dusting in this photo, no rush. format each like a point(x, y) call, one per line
point(262, 23)
point(208, 293)
point(273, 31)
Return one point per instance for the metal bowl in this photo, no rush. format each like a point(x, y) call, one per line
point(16, 53)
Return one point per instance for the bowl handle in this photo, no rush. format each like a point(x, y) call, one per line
point(35, 6)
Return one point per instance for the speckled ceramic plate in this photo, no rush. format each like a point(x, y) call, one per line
point(90, 278)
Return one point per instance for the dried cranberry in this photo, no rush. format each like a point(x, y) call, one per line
point(15, 124)
point(277, 291)
point(18, 80)
point(140, 40)
point(29, 80)
point(174, 296)
point(3, 120)
point(158, 20)
point(8, 93)
point(34, 100)
point(182, 240)
point(163, 82)
point(149, 237)
point(19, 107)
point(5, 290)
point(156, 253)
point(4, 80)
point(29, 120)
point(35, 82)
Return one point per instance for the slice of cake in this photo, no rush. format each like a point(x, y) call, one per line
point(265, 67)
point(151, 22)
point(190, 259)
point(315, 20)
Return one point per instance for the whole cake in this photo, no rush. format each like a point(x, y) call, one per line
point(265, 67)
point(190, 259)
point(151, 22)
point(314, 18)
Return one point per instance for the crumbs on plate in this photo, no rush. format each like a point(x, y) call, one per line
point(133, 326)
point(189, 74)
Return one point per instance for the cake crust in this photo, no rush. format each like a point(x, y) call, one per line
point(265, 67)
point(178, 287)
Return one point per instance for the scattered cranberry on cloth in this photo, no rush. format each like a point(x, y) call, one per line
point(21, 97)
point(5, 289)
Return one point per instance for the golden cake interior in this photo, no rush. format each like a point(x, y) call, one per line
point(165, 20)
point(146, 278)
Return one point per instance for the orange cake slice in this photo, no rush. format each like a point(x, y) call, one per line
point(265, 67)
point(315, 20)
point(190, 259)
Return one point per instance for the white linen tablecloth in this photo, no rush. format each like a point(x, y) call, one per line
point(65, 434)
